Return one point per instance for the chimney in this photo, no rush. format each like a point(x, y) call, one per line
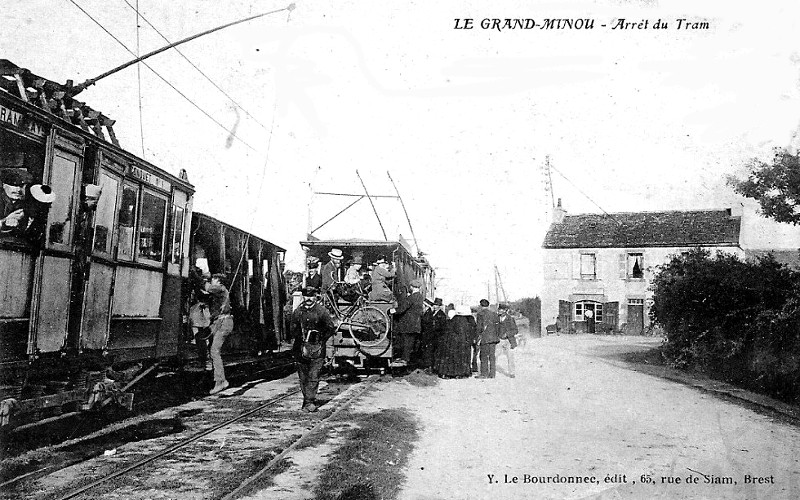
point(559, 213)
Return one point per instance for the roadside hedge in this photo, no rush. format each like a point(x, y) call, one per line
point(733, 319)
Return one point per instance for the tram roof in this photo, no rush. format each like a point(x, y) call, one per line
point(54, 103)
point(201, 215)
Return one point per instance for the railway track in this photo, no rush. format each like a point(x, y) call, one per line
point(327, 413)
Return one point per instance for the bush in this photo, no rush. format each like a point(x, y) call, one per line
point(735, 319)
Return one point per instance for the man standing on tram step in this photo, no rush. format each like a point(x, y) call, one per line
point(221, 326)
point(488, 331)
point(332, 270)
point(311, 326)
point(408, 321)
point(508, 337)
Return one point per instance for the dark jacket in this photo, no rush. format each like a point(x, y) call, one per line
point(305, 319)
point(488, 326)
point(427, 325)
point(219, 301)
point(408, 317)
point(508, 330)
point(330, 275)
point(314, 281)
point(439, 323)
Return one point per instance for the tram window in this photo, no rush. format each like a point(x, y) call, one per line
point(62, 183)
point(104, 215)
point(151, 227)
point(176, 234)
point(127, 222)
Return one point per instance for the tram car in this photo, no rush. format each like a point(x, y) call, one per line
point(363, 341)
point(96, 248)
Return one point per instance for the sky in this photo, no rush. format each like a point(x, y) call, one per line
point(463, 120)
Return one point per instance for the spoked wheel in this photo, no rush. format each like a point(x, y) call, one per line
point(368, 326)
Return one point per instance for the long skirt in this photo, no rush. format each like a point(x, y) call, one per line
point(452, 357)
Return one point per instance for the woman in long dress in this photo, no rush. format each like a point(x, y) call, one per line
point(454, 359)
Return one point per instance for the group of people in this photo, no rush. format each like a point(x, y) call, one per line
point(460, 343)
point(451, 342)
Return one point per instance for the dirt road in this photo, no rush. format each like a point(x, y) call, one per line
point(573, 424)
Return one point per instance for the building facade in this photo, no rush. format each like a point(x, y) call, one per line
point(598, 267)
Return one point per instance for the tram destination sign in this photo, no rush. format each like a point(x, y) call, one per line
point(147, 177)
point(20, 121)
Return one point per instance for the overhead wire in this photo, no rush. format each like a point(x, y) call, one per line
point(139, 81)
point(193, 64)
point(586, 195)
point(263, 176)
point(223, 127)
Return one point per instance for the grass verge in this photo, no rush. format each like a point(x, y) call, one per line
point(369, 466)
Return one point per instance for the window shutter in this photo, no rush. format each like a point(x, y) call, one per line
point(623, 263)
point(576, 266)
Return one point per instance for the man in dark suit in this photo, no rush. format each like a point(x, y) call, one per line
point(408, 322)
point(311, 326)
point(331, 272)
point(488, 337)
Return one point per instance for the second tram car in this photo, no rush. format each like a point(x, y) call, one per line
point(346, 349)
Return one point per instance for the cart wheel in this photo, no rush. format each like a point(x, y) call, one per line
point(368, 326)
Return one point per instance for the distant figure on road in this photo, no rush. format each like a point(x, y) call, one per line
point(508, 337)
point(488, 332)
point(588, 315)
point(310, 327)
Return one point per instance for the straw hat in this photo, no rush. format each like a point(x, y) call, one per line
point(43, 193)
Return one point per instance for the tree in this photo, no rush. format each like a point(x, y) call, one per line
point(531, 308)
point(775, 186)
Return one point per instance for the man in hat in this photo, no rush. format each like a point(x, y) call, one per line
point(14, 217)
point(408, 321)
point(310, 327)
point(488, 337)
point(332, 270)
point(221, 326)
point(508, 336)
point(382, 272)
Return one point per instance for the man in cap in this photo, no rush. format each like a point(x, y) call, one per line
point(488, 336)
point(508, 336)
point(310, 327)
point(408, 321)
point(313, 278)
point(14, 218)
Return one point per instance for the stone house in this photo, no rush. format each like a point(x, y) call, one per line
point(604, 263)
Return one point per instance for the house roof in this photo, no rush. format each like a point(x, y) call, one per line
point(645, 229)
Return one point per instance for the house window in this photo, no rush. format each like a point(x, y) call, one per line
point(635, 302)
point(588, 266)
point(635, 265)
point(588, 305)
